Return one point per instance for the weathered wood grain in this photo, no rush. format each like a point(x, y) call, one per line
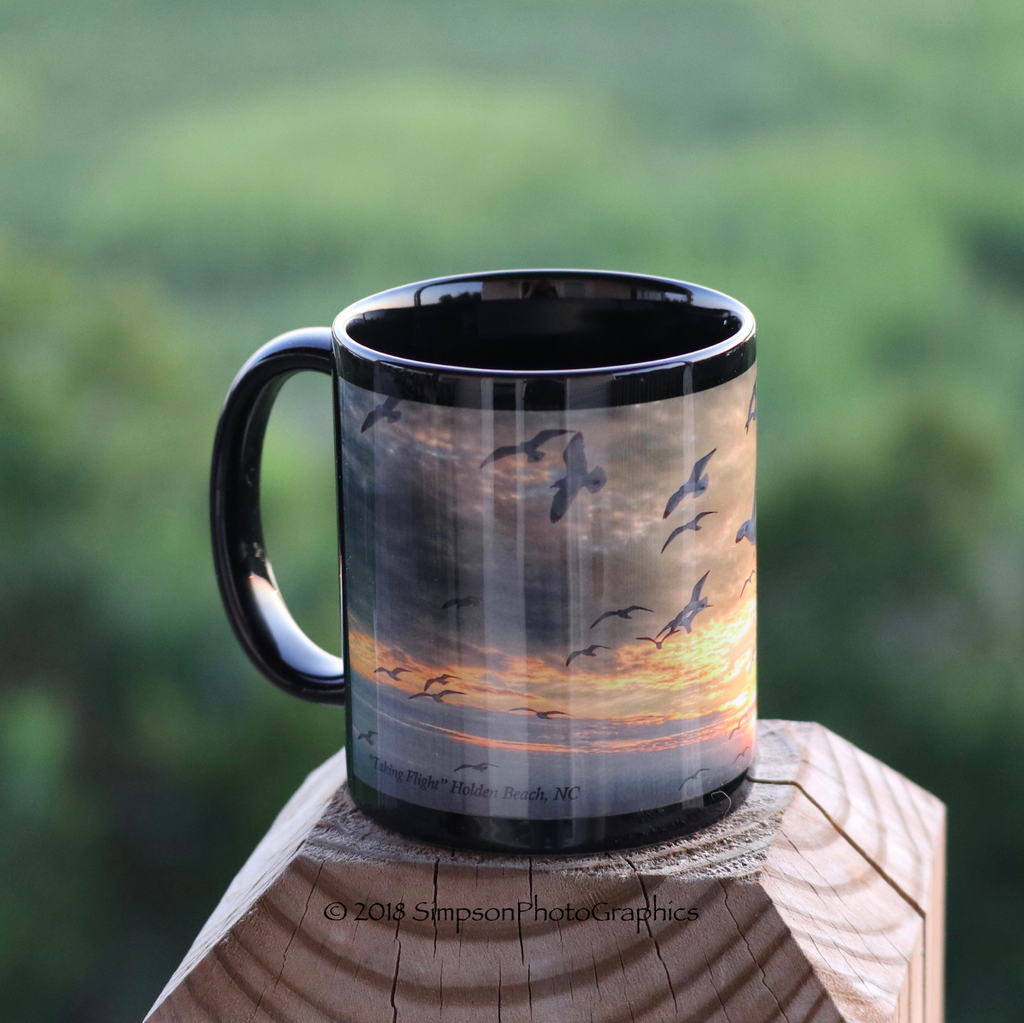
point(819, 899)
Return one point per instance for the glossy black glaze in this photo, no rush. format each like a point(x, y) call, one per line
point(521, 835)
point(277, 646)
point(443, 343)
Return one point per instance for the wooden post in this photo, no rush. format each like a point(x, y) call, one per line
point(820, 898)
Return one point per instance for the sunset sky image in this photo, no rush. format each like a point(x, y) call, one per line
point(432, 519)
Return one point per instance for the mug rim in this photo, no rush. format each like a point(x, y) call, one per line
point(408, 295)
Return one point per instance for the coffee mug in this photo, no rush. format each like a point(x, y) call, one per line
point(547, 528)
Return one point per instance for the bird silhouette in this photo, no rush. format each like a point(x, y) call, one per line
point(543, 714)
point(693, 777)
point(577, 476)
point(460, 602)
point(749, 528)
point(441, 680)
point(591, 651)
point(624, 612)
point(752, 409)
point(393, 673)
point(739, 722)
point(748, 580)
point(696, 484)
point(746, 749)
point(438, 697)
point(693, 524)
point(473, 767)
point(686, 621)
point(368, 736)
point(530, 448)
point(659, 643)
point(696, 604)
point(385, 410)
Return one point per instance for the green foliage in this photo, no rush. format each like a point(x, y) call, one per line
point(137, 758)
point(890, 598)
point(204, 176)
point(384, 175)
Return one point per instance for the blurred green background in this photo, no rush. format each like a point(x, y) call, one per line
point(180, 182)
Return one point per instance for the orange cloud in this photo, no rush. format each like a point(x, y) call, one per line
point(709, 672)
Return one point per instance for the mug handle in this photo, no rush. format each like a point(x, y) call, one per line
point(255, 607)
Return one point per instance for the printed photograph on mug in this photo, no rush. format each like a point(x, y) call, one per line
point(571, 597)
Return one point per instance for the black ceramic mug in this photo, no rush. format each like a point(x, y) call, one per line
point(547, 523)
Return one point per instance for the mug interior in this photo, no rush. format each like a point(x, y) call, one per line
point(544, 321)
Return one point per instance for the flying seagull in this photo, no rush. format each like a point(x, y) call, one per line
point(749, 528)
point(736, 729)
point(393, 673)
point(385, 410)
point(577, 476)
point(438, 697)
point(748, 580)
point(693, 524)
point(752, 410)
point(460, 602)
point(543, 714)
point(622, 612)
point(693, 777)
point(591, 651)
point(530, 448)
point(746, 749)
point(368, 736)
point(441, 680)
point(696, 604)
point(659, 643)
point(473, 767)
point(696, 484)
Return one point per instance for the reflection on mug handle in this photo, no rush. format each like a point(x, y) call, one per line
point(265, 628)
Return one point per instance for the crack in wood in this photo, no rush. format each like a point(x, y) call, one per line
point(896, 887)
point(750, 951)
point(650, 932)
point(394, 983)
point(437, 864)
point(714, 986)
point(288, 945)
